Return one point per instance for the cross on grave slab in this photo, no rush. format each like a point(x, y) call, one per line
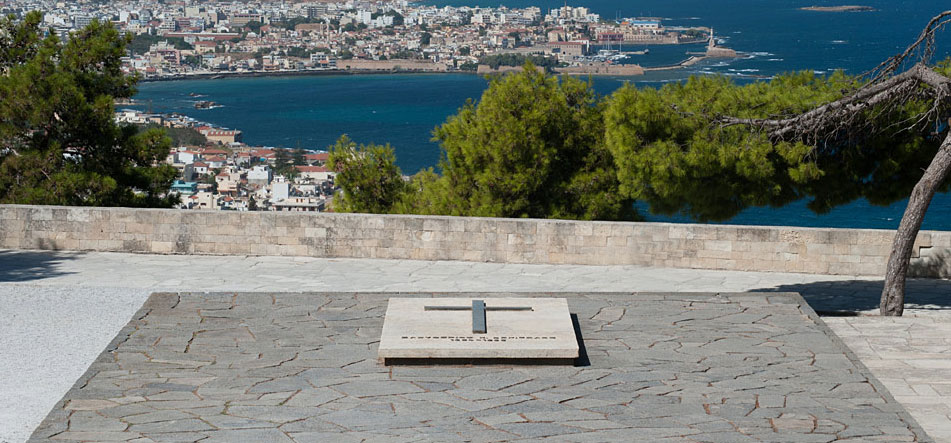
point(478, 312)
point(523, 328)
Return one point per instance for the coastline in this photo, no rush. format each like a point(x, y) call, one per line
point(694, 59)
point(337, 72)
point(249, 74)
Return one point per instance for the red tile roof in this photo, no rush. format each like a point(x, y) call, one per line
point(312, 169)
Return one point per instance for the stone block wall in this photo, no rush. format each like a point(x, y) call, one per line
point(743, 248)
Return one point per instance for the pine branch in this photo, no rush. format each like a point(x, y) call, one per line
point(897, 89)
point(885, 89)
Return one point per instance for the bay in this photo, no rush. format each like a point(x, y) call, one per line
point(402, 109)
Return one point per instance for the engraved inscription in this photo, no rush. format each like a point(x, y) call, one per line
point(499, 338)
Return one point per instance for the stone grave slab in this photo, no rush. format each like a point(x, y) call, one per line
point(485, 328)
point(304, 367)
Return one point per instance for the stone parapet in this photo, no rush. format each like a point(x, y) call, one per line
point(698, 246)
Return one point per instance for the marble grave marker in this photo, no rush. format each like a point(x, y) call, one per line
point(484, 328)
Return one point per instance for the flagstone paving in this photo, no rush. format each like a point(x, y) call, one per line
point(911, 356)
point(303, 367)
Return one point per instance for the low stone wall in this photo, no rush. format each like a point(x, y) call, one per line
point(744, 248)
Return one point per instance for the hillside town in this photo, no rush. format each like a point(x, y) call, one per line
point(194, 39)
point(223, 173)
point(175, 39)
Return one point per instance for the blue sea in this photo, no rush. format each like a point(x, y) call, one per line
point(402, 109)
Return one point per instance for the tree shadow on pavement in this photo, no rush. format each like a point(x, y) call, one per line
point(22, 266)
point(843, 296)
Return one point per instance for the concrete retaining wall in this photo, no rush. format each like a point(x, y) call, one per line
point(746, 248)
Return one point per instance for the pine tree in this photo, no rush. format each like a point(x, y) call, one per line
point(368, 177)
point(59, 143)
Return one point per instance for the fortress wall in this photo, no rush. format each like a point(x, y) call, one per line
point(390, 65)
point(742, 248)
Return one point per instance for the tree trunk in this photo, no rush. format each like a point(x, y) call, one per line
point(893, 294)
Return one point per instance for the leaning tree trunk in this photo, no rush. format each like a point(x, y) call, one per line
point(893, 294)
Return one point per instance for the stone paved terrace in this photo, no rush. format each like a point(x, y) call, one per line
point(303, 367)
point(61, 309)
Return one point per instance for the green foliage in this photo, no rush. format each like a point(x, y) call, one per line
point(291, 23)
point(141, 43)
point(368, 177)
point(18, 44)
point(532, 147)
point(510, 59)
point(536, 147)
point(694, 33)
point(254, 26)
point(298, 52)
point(284, 163)
point(425, 38)
point(672, 153)
point(210, 179)
point(59, 143)
point(469, 66)
point(178, 136)
point(397, 18)
point(298, 157)
point(405, 54)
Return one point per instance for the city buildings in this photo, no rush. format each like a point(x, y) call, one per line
point(182, 38)
point(226, 174)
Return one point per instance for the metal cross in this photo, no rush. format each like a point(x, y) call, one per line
point(478, 312)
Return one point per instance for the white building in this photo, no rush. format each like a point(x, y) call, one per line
point(279, 191)
point(260, 175)
point(645, 25)
point(365, 17)
point(322, 60)
point(315, 173)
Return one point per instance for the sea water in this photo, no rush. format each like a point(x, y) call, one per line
point(402, 109)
